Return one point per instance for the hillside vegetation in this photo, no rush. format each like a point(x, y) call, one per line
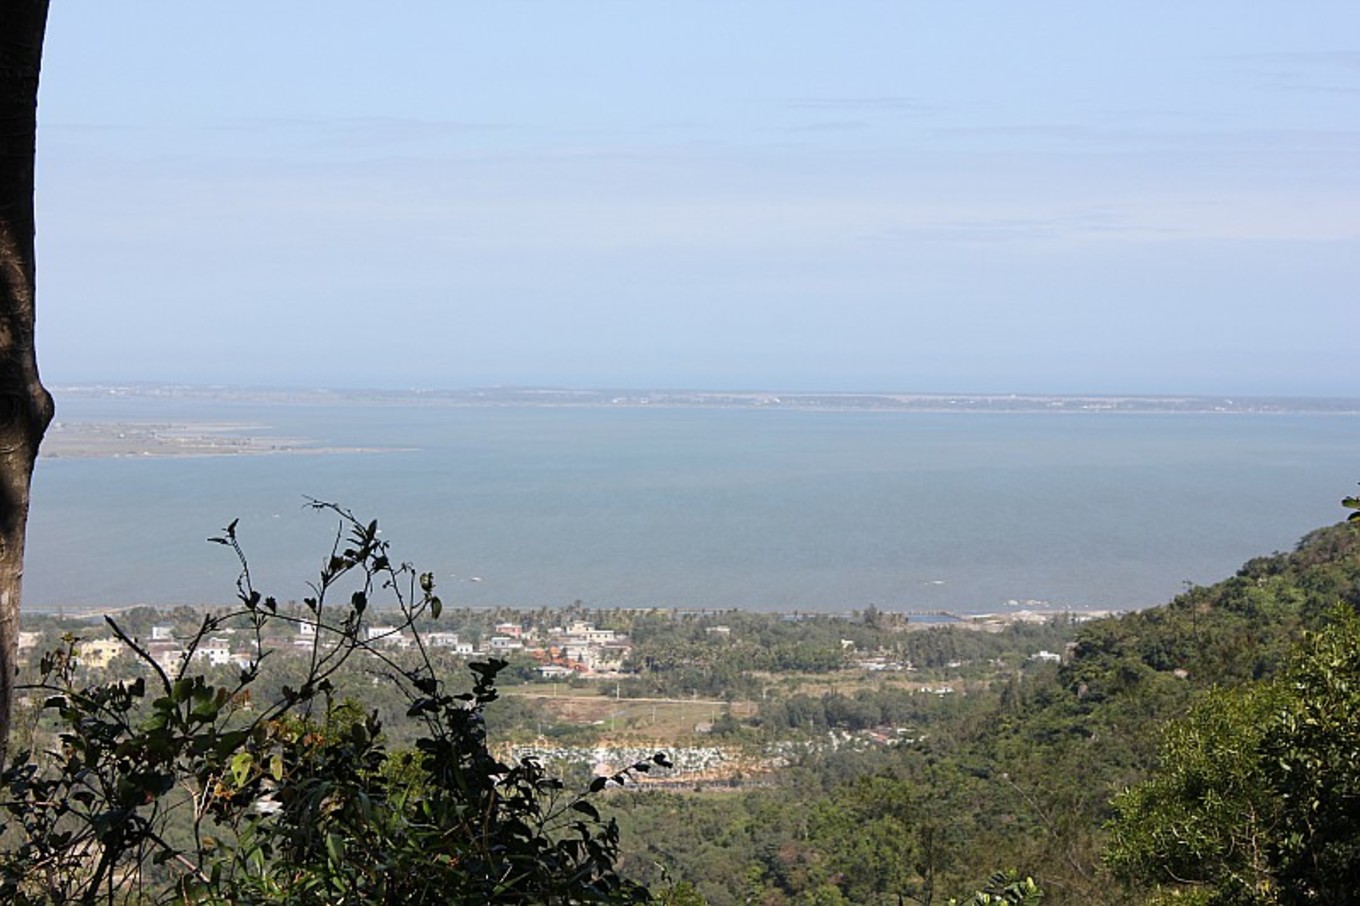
point(1022, 775)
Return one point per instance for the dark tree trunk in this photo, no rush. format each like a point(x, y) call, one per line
point(25, 406)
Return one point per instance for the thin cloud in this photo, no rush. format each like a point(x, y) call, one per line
point(1346, 59)
point(888, 104)
point(1208, 135)
point(1321, 72)
point(1090, 223)
point(830, 126)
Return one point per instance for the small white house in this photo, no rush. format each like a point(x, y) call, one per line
point(387, 635)
point(216, 651)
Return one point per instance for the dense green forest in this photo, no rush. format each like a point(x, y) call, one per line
point(1024, 776)
point(1201, 751)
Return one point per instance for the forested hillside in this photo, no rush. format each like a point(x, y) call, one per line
point(1021, 776)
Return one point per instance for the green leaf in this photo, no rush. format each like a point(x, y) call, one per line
point(241, 763)
point(335, 848)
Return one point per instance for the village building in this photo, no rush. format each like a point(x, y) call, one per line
point(390, 636)
point(216, 651)
point(580, 631)
point(98, 653)
point(306, 636)
point(168, 656)
point(588, 649)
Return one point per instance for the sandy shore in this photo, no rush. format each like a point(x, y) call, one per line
point(107, 440)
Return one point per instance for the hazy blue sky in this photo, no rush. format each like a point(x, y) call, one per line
point(985, 196)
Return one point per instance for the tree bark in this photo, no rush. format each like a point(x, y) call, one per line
point(25, 406)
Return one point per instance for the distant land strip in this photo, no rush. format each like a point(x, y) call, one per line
point(735, 399)
point(108, 440)
point(987, 620)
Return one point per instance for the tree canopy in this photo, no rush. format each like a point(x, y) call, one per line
point(1256, 797)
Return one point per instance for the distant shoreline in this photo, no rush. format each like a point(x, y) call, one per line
point(1018, 403)
point(162, 440)
point(985, 620)
point(93, 439)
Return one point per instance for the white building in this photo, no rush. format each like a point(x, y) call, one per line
point(387, 635)
point(581, 631)
point(216, 651)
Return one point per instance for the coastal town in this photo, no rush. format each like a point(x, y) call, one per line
point(577, 649)
point(728, 695)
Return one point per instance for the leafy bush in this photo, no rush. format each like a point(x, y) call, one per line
point(1258, 791)
point(173, 788)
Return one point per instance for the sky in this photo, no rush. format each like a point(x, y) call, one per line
point(1070, 197)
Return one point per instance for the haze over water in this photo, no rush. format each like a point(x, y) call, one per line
point(698, 508)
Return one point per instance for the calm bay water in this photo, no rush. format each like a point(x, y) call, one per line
point(749, 508)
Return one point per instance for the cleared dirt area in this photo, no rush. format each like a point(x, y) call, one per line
point(642, 718)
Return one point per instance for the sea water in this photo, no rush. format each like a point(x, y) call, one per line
point(696, 508)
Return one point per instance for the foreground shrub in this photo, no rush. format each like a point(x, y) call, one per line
point(173, 787)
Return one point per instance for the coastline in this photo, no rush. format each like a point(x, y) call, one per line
point(163, 440)
point(990, 620)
